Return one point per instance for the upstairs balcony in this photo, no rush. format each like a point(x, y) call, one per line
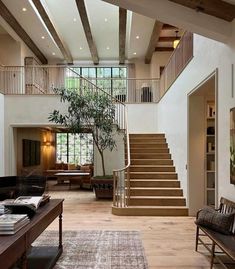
point(36, 79)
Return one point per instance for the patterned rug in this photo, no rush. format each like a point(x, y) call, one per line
point(97, 249)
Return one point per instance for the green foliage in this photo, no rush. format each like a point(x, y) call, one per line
point(89, 110)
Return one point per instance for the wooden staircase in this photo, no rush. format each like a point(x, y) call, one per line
point(154, 186)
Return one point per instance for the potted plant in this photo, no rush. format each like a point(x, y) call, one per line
point(92, 111)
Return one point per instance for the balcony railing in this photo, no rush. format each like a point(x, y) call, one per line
point(177, 62)
point(42, 80)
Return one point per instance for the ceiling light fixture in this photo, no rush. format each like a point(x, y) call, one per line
point(80, 48)
point(74, 19)
point(108, 48)
point(137, 37)
point(43, 37)
point(105, 19)
point(53, 53)
point(134, 53)
point(177, 39)
point(24, 9)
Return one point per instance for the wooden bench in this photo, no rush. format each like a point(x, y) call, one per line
point(225, 243)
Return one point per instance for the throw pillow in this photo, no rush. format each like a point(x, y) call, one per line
point(214, 220)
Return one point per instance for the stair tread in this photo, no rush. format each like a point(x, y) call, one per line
point(150, 165)
point(155, 188)
point(157, 206)
point(154, 179)
point(156, 197)
point(134, 159)
point(153, 173)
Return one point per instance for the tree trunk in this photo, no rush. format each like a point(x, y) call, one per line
point(102, 159)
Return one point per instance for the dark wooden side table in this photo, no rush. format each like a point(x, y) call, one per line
point(17, 246)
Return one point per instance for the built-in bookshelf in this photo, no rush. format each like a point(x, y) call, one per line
point(210, 154)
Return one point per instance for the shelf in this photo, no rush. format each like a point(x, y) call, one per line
point(210, 142)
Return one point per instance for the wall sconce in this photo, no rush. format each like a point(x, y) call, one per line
point(47, 143)
point(177, 39)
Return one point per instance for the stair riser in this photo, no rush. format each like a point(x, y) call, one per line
point(146, 146)
point(161, 156)
point(146, 192)
point(147, 135)
point(147, 141)
point(153, 176)
point(151, 162)
point(152, 169)
point(157, 202)
point(150, 211)
point(155, 183)
point(146, 151)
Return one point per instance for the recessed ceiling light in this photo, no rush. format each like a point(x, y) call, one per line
point(53, 53)
point(80, 48)
point(24, 9)
point(105, 19)
point(134, 53)
point(107, 48)
point(43, 37)
point(137, 37)
point(74, 19)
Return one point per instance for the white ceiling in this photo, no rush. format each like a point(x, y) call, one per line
point(104, 22)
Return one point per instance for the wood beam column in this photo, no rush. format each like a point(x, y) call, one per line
point(41, 10)
point(153, 41)
point(11, 20)
point(122, 34)
point(87, 29)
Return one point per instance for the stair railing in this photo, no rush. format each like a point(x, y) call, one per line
point(121, 186)
point(121, 177)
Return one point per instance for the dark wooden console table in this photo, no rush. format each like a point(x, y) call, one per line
point(17, 246)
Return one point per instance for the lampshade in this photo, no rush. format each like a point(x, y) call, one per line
point(175, 43)
point(177, 40)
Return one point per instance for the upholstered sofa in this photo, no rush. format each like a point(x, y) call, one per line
point(70, 168)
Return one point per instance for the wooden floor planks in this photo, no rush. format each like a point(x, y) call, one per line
point(168, 241)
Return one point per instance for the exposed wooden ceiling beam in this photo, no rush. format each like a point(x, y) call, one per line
point(153, 41)
point(168, 27)
point(166, 38)
point(87, 29)
point(41, 10)
point(164, 49)
point(216, 8)
point(10, 19)
point(122, 35)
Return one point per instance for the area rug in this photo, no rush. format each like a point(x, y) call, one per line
point(97, 249)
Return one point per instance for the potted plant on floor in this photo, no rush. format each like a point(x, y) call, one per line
point(93, 112)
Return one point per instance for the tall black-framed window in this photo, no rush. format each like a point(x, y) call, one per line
point(74, 148)
point(110, 79)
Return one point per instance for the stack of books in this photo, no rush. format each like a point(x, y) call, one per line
point(4, 210)
point(25, 205)
point(11, 223)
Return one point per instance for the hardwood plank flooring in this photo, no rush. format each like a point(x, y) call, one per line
point(168, 241)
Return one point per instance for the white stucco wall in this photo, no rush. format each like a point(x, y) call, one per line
point(142, 118)
point(2, 135)
point(10, 50)
point(158, 59)
point(172, 110)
